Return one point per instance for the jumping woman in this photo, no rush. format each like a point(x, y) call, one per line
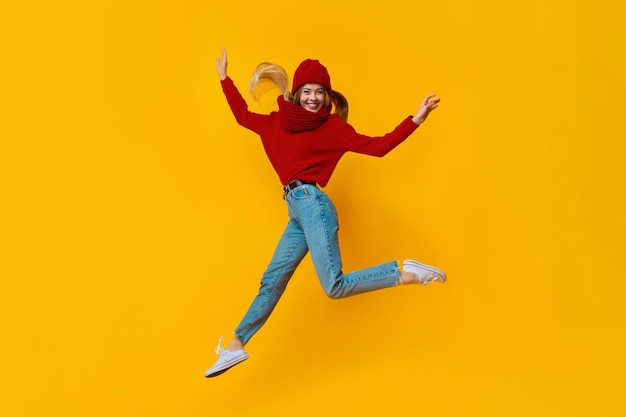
point(304, 140)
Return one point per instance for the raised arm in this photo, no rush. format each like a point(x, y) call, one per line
point(381, 145)
point(237, 103)
point(429, 104)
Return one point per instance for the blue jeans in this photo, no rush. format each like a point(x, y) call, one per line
point(313, 227)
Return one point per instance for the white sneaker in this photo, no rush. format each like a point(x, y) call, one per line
point(227, 359)
point(425, 273)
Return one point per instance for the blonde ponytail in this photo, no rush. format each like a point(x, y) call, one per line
point(340, 104)
point(266, 71)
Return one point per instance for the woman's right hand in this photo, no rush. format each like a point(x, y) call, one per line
point(222, 64)
point(429, 104)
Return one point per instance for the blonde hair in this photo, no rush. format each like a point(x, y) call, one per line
point(266, 71)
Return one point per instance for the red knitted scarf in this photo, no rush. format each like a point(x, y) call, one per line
point(295, 118)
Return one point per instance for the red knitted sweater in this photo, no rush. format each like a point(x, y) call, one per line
point(309, 155)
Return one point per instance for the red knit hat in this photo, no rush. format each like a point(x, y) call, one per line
point(311, 71)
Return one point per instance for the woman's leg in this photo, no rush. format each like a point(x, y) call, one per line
point(288, 254)
point(316, 215)
point(290, 251)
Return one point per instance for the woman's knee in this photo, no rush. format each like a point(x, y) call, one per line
point(335, 292)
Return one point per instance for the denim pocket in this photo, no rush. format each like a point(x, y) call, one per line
point(303, 192)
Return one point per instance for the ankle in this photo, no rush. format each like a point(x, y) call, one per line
point(408, 278)
point(234, 344)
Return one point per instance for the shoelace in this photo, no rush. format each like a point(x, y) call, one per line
point(429, 279)
point(218, 349)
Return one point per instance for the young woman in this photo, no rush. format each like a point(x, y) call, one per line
point(304, 141)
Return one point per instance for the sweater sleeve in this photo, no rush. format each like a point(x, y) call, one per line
point(239, 107)
point(378, 145)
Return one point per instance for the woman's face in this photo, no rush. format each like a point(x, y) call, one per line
point(312, 97)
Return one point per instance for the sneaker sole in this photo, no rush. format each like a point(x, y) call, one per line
point(221, 371)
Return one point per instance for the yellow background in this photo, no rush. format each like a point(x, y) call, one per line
point(138, 216)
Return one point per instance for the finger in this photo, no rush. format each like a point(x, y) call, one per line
point(427, 100)
point(220, 58)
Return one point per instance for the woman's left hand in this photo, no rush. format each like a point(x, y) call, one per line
point(429, 104)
